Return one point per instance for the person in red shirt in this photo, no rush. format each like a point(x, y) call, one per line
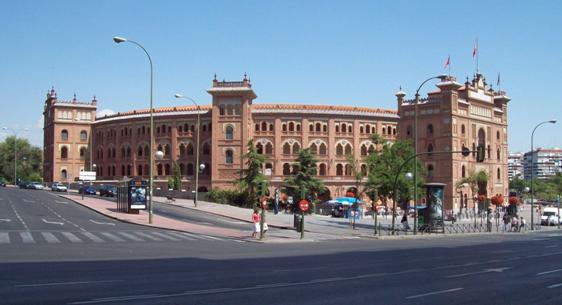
point(256, 220)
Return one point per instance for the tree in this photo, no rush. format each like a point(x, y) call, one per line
point(174, 182)
point(302, 183)
point(29, 160)
point(252, 179)
point(517, 184)
point(384, 165)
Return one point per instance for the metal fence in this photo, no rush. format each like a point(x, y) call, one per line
point(455, 228)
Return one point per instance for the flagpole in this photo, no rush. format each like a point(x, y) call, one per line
point(449, 65)
point(477, 56)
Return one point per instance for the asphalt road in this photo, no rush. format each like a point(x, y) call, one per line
point(482, 269)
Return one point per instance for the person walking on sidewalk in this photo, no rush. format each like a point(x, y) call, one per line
point(256, 220)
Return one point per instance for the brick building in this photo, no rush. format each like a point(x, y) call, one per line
point(456, 116)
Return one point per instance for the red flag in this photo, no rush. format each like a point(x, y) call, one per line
point(447, 62)
point(475, 48)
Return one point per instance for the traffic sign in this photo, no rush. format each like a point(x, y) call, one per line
point(303, 205)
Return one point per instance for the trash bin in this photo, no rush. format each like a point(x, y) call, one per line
point(297, 222)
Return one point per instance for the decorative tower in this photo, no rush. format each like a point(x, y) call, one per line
point(231, 121)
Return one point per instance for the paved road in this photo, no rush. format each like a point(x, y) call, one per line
point(487, 269)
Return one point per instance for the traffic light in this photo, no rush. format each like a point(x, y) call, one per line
point(480, 153)
point(465, 151)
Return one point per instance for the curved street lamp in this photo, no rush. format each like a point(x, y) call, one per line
point(118, 39)
point(177, 95)
point(532, 171)
point(15, 132)
point(441, 77)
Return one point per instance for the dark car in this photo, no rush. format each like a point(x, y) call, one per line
point(87, 190)
point(108, 190)
point(2, 183)
point(24, 185)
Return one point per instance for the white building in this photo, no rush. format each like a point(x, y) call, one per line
point(515, 165)
point(543, 162)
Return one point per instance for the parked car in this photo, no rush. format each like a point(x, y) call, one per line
point(59, 187)
point(2, 184)
point(550, 217)
point(108, 190)
point(24, 185)
point(87, 190)
point(36, 186)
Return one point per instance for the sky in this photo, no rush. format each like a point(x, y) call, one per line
point(311, 52)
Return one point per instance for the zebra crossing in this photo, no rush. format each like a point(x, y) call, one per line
point(82, 237)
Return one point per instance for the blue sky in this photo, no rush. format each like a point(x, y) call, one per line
point(317, 52)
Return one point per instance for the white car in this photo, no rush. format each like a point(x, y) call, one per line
point(59, 187)
point(550, 217)
point(36, 186)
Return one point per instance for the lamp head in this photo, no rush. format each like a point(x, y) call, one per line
point(202, 166)
point(177, 95)
point(118, 39)
point(159, 155)
point(552, 121)
point(409, 176)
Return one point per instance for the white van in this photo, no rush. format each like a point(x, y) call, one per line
point(550, 217)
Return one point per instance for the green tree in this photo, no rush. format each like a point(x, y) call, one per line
point(384, 165)
point(302, 183)
point(517, 184)
point(174, 182)
point(29, 160)
point(252, 179)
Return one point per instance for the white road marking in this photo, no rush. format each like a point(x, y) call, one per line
point(479, 272)
point(67, 283)
point(130, 236)
point(93, 237)
point(145, 234)
point(19, 217)
point(52, 222)
point(182, 235)
point(5, 220)
point(28, 201)
point(554, 286)
point(547, 272)
point(50, 237)
point(73, 238)
point(4, 238)
point(102, 223)
point(433, 293)
point(551, 246)
point(208, 237)
point(63, 202)
point(166, 236)
point(112, 237)
point(27, 238)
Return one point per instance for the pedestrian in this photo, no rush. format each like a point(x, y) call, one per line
point(514, 224)
point(505, 222)
point(404, 222)
point(522, 224)
point(256, 220)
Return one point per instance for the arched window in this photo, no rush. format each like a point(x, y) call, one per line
point(206, 149)
point(139, 151)
point(128, 151)
point(339, 150)
point(348, 149)
point(384, 130)
point(259, 148)
point(122, 170)
point(229, 132)
point(429, 130)
point(481, 137)
point(147, 151)
point(322, 151)
point(180, 129)
point(498, 154)
point(429, 149)
point(343, 127)
point(159, 167)
point(271, 128)
point(430, 170)
point(318, 127)
point(263, 126)
point(473, 149)
point(489, 152)
point(298, 127)
point(192, 128)
point(360, 129)
point(463, 171)
point(167, 150)
point(363, 150)
point(204, 128)
point(325, 128)
point(190, 169)
point(64, 152)
point(64, 135)
point(167, 169)
point(349, 128)
point(364, 169)
point(322, 169)
point(189, 149)
point(311, 127)
point(63, 174)
point(229, 158)
point(291, 126)
point(284, 127)
point(348, 169)
point(268, 148)
point(257, 127)
point(286, 149)
point(499, 176)
point(286, 169)
point(296, 148)
point(182, 150)
point(373, 130)
point(498, 135)
point(463, 129)
point(146, 171)
point(339, 170)
point(122, 152)
point(368, 128)
point(83, 135)
point(337, 128)
point(409, 131)
point(139, 170)
point(82, 153)
point(313, 149)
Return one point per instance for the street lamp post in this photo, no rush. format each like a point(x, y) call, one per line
point(15, 151)
point(118, 39)
point(532, 172)
point(441, 77)
point(177, 95)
